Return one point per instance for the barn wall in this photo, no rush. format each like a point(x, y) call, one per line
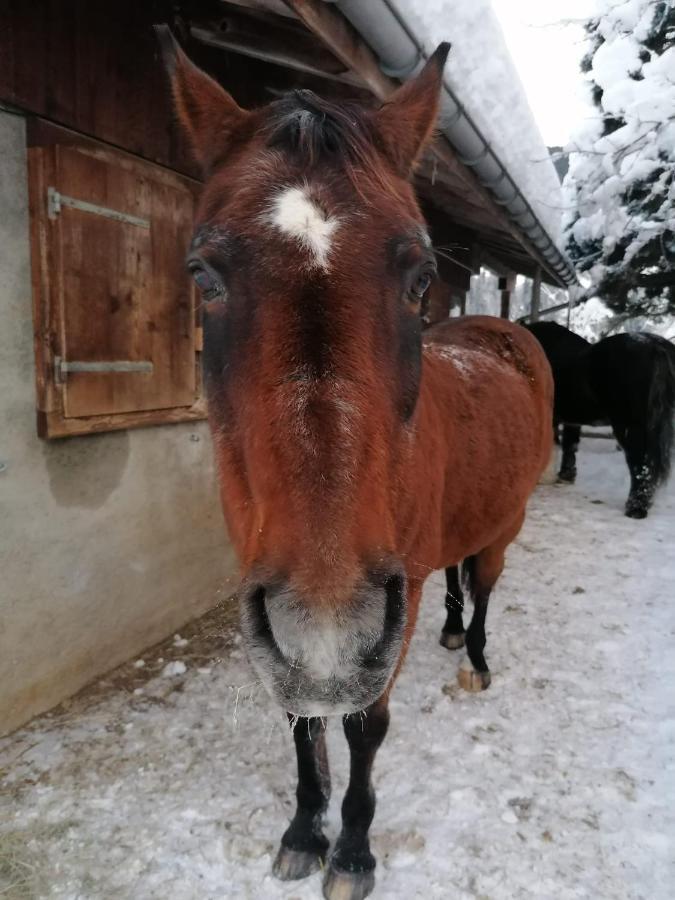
point(108, 543)
point(95, 68)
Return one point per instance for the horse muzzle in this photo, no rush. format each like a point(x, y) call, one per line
point(325, 659)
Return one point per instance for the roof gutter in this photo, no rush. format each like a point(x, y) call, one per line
point(401, 56)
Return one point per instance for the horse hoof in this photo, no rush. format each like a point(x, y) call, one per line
point(452, 641)
point(338, 885)
point(636, 512)
point(473, 681)
point(291, 865)
point(567, 477)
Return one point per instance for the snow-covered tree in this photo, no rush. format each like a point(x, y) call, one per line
point(620, 189)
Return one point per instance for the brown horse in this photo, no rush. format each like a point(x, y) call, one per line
point(354, 457)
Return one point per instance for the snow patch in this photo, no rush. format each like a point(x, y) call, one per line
point(176, 667)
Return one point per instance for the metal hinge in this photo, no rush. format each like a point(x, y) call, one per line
point(56, 200)
point(63, 367)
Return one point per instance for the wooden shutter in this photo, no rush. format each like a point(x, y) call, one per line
point(117, 334)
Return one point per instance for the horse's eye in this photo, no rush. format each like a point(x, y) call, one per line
point(207, 283)
point(421, 285)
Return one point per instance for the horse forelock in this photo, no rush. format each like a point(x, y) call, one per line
point(313, 131)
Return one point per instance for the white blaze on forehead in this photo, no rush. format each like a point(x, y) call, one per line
point(298, 216)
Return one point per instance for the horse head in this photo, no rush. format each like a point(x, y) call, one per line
point(313, 261)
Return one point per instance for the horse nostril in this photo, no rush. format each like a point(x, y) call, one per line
point(394, 615)
point(393, 585)
point(260, 620)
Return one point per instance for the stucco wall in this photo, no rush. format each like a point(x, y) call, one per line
point(108, 542)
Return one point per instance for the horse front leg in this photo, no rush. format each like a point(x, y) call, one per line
point(351, 871)
point(571, 435)
point(304, 845)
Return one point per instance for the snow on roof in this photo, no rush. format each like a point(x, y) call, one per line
point(482, 75)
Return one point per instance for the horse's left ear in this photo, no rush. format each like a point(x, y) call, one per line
point(209, 115)
point(405, 123)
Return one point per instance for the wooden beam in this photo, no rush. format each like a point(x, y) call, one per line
point(552, 309)
point(276, 7)
point(286, 44)
point(536, 295)
point(344, 42)
point(489, 261)
point(337, 34)
point(506, 285)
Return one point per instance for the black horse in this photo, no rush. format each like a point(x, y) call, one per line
point(626, 381)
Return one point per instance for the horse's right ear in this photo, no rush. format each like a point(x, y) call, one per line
point(406, 121)
point(206, 111)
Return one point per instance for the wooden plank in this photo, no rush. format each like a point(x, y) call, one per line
point(96, 68)
point(339, 36)
point(44, 323)
point(280, 40)
point(104, 290)
point(43, 133)
point(536, 295)
point(125, 293)
point(93, 67)
point(506, 286)
point(53, 425)
point(276, 7)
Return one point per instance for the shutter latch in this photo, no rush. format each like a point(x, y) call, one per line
point(63, 367)
point(56, 200)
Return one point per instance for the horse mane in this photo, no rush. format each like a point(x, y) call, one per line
point(314, 131)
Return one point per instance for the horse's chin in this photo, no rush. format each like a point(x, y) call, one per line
point(308, 698)
point(317, 661)
point(322, 710)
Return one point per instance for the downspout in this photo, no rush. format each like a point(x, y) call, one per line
point(401, 56)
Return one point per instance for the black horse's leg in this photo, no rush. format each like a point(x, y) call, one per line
point(304, 846)
point(571, 435)
point(474, 674)
point(452, 635)
point(642, 480)
point(351, 871)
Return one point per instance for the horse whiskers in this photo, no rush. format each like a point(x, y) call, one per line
point(416, 562)
point(452, 247)
point(452, 259)
point(250, 684)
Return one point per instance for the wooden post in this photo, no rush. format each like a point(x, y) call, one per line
point(506, 285)
point(536, 295)
point(439, 303)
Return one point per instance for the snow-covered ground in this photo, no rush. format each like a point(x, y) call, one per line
point(557, 782)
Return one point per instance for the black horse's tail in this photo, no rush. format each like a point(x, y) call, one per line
point(661, 410)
